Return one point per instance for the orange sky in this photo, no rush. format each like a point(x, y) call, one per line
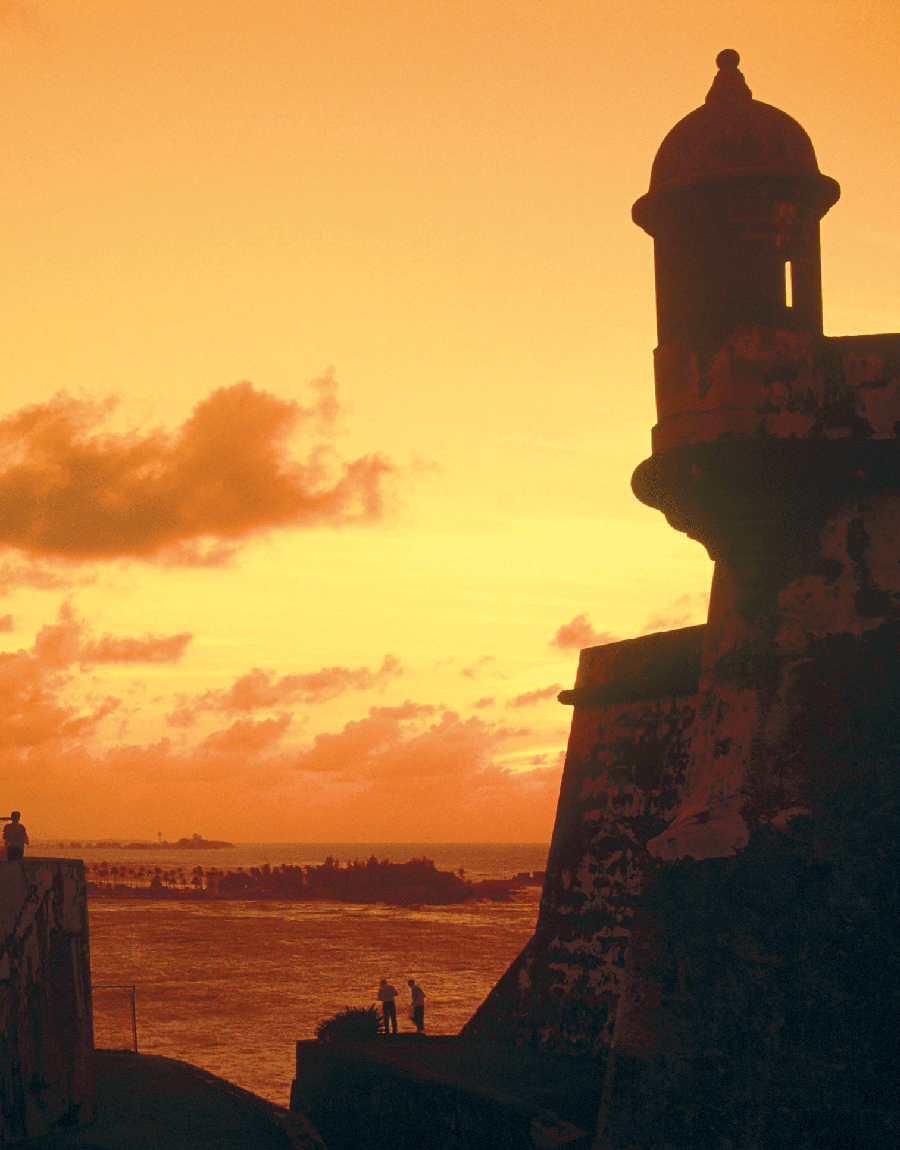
point(328, 357)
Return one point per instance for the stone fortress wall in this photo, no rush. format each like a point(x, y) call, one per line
point(634, 710)
point(46, 1028)
point(720, 916)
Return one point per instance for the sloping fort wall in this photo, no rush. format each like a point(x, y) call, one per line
point(634, 710)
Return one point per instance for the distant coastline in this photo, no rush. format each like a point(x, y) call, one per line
point(417, 882)
point(194, 843)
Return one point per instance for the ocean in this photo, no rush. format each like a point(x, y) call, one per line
point(231, 985)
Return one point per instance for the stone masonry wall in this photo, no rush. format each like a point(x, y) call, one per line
point(634, 710)
point(46, 1029)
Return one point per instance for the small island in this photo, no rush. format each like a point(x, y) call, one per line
point(417, 882)
point(194, 843)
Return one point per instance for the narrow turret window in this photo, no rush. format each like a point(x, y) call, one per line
point(788, 284)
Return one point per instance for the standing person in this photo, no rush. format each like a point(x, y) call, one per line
point(16, 838)
point(386, 996)
point(418, 1005)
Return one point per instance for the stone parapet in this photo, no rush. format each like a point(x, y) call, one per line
point(763, 384)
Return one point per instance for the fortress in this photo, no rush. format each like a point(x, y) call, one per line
point(716, 963)
point(720, 917)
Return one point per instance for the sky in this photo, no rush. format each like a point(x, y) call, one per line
point(327, 359)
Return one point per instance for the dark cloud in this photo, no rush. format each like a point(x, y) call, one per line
point(69, 490)
point(6, 623)
point(484, 701)
point(538, 696)
point(579, 633)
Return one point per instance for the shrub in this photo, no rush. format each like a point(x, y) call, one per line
point(352, 1024)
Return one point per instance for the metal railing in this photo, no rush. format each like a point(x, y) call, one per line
point(120, 986)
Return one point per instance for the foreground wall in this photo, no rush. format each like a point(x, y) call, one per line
point(46, 1031)
point(634, 711)
point(386, 1095)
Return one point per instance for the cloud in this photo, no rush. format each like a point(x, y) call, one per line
point(6, 623)
point(67, 642)
point(479, 665)
point(249, 736)
point(38, 576)
point(260, 689)
point(19, 14)
point(484, 701)
point(33, 708)
point(400, 773)
point(149, 649)
point(682, 611)
point(538, 696)
point(407, 710)
point(379, 777)
point(69, 490)
point(579, 633)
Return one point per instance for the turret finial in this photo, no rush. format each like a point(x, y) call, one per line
point(729, 83)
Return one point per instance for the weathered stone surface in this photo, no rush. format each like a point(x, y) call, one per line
point(721, 906)
point(625, 765)
point(759, 1004)
point(46, 1028)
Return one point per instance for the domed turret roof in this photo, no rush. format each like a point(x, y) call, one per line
point(732, 134)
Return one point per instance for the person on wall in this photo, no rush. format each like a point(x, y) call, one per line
point(16, 838)
point(386, 996)
point(417, 1012)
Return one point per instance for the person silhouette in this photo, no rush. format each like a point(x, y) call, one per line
point(386, 996)
point(418, 1005)
point(16, 838)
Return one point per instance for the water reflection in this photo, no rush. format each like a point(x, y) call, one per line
point(231, 985)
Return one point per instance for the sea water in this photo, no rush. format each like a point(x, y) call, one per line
point(230, 985)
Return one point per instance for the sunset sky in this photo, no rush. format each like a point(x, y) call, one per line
point(327, 345)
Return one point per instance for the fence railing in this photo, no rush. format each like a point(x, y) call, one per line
point(108, 1022)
